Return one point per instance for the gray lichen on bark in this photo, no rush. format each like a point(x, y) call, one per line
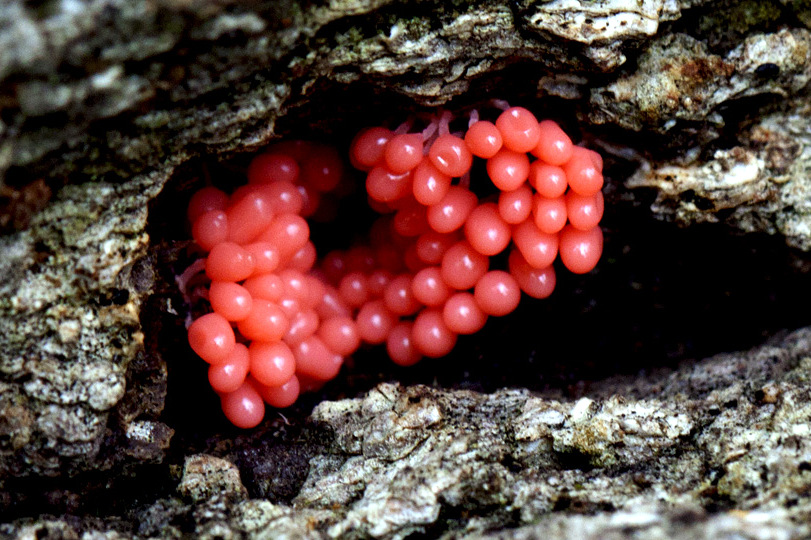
point(761, 185)
point(70, 326)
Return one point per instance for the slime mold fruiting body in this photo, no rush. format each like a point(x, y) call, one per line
point(283, 321)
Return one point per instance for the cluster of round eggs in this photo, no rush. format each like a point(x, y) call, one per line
point(283, 321)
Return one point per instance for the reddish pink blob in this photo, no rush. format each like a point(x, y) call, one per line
point(450, 155)
point(300, 329)
point(269, 168)
point(538, 248)
point(231, 300)
point(211, 337)
point(403, 152)
point(595, 157)
point(463, 266)
point(462, 314)
point(483, 139)
point(385, 186)
point(241, 191)
point(549, 214)
point(374, 322)
point(302, 325)
point(288, 232)
point(267, 287)
point(549, 180)
point(265, 256)
point(536, 282)
point(280, 396)
point(210, 229)
point(586, 211)
point(294, 283)
point(486, 231)
point(334, 266)
point(430, 334)
point(582, 173)
point(429, 185)
point(332, 305)
point(497, 293)
point(451, 212)
point(314, 360)
point(310, 200)
point(515, 206)
point(205, 200)
point(400, 345)
point(229, 262)
point(399, 298)
point(580, 250)
point(266, 322)
point(354, 289)
point(377, 283)
point(554, 146)
point(229, 374)
point(315, 292)
point(289, 305)
point(508, 169)
point(366, 150)
point(519, 129)
point(340, 334)
point(272, 364)
point(243, 407)
point(323, 169)
point(411, 219)
point(431, 246)
point(429, 287)
point(304, 259)
point(285, 197)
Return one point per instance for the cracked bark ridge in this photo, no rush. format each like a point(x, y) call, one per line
point(761, 185)
point(714, 448)
point(218, 74)
point(69, 329)
point(679, 79)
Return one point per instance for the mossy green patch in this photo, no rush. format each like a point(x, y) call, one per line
point(726, 21)
point(802, 10)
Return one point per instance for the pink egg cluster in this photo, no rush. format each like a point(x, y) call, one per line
point(283, 321)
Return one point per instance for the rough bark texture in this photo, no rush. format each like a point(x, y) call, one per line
point(714, 449)
point(107, 108)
